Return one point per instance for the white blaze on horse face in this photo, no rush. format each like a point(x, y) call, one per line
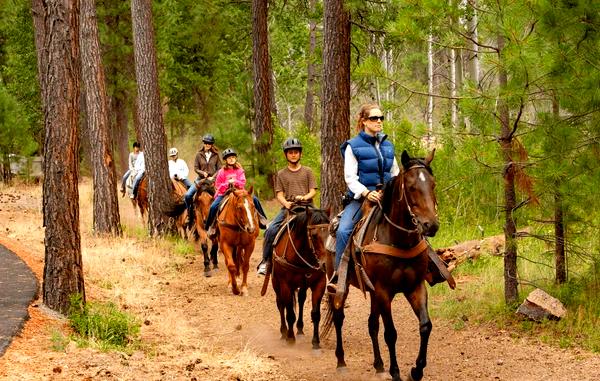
point(422, 177)
point(248, 214)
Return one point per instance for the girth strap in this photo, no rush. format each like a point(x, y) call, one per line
point(380, 248)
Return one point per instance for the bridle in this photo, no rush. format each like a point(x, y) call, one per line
point(239, 225)
point(408, 207)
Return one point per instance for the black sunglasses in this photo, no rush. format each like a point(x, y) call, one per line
point(376, 118)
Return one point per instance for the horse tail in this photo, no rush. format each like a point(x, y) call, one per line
point(175, 209)
point(328, 319)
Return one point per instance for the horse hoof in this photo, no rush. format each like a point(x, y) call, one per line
point(317, 351)
point(415, 375)
point(207, 274)
point(341, 369)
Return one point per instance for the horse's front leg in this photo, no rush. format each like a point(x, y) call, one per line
point(248, 249)
point(301, 300)
point(317, 292)
point(214, 254)
point(280, 306)
point(390, 334)
point(338, 321)
point(228, 253)
point(374, 333)
point(204, 246)
point(418, 302)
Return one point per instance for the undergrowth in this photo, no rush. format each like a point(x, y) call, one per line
point(102, 325)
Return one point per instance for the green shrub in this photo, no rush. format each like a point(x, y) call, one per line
point(102, 323)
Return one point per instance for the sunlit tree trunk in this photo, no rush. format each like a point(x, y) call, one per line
point(335, 108)
point(560, 258)
point(149, 111)
point(263, 97)
point(57, 43)
point(106, 208)
point(430, 86)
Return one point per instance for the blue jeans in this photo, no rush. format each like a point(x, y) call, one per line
point(186, 182)
point(124, 179)
point(212, 213)
point(189, 196)
point(350, 217)
point(258, 206)
point(270, 234)
point(136, 183)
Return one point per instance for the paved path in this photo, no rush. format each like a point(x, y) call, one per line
point(18, 287)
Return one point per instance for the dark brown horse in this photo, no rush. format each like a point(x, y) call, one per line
point(141, 199)
point(395, 258)
point(202, 201)
point(237, 230)
point(298, 264)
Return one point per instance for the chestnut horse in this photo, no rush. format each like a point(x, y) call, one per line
point(237, 229)
point(202, 200)
point(298, 264)
point(141, 199)
point(395, 258)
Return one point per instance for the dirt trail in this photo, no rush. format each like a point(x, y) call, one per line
point(196, 330)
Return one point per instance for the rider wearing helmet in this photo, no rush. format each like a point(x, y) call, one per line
point(206, 165)
point(294, 183)
point(178, 169)
point(131, 164)
point(231, 174)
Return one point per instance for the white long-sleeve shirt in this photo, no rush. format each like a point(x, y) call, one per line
point(178, 167)
point(351, 172)
point(140, 163)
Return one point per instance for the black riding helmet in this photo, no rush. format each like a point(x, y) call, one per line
point(292, 143)
point(208, 139)
point(228, 152)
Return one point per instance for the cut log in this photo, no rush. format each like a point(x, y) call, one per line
point(464, 251)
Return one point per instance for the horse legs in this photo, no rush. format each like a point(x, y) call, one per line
point(374, 333)
point(281, 307)
point(317, 293)
point(390, 334)
point(418, 302)
point(228, 253)
point(285, 303)
point(301, 300)
point(338, 321)
point(214, 254)
point(245, 258)
point(206, 259)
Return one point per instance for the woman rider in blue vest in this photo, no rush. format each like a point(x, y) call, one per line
point(369, 163)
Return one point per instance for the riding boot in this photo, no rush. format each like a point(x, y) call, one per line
point(264, 267)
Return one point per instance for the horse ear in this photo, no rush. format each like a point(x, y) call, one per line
point(251, 189)
point(404, 159)
point(429, 157)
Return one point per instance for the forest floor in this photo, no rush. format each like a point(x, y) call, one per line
point(195, 329)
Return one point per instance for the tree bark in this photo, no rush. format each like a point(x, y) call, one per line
point(152, 131)
point(511, 291)
point(120, 131)
point(263, 97)
point(335, 115)
point(57, 44)
point(106, 207)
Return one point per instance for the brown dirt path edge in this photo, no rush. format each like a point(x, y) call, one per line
point(217, 336)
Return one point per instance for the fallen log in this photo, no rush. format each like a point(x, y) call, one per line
point(455, 255)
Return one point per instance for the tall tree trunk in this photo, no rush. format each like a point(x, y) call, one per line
point(511, 291)
point(430, 83)
point(262, 89)
point(152, 131)
point(57, 45)
point(335, 115)
point(106, 207)
point(473, 23)
point(120, 131)
point(560, 258)
point(309, 104)
point(453, 80)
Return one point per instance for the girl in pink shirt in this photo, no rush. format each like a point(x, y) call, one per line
point(231, 173)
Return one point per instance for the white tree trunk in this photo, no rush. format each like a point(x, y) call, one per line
point(430, 89)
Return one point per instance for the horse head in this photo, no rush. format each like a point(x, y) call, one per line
point(316, 224)
point(245, 214)
point(414, 195)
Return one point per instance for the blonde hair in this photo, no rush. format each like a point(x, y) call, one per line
point(363, 114)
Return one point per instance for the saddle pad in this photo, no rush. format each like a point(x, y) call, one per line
point(223, 203)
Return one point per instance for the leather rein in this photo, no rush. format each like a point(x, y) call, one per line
point(310, 267)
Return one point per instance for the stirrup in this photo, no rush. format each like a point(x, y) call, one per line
point(263, 267)
point(332, 283)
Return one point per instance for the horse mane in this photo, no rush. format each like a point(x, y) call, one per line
point(318, 216)
point(206, 186)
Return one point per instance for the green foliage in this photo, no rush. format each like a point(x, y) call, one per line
point(102, 323)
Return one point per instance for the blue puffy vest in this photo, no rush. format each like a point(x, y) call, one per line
point(373, 168)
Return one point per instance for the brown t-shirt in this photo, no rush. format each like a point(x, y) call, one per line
point(296, 183)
